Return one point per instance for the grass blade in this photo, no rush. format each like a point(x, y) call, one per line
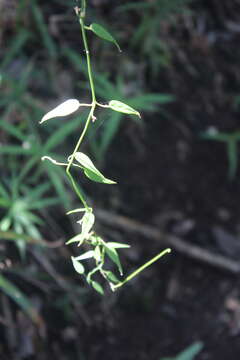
point(19, 298)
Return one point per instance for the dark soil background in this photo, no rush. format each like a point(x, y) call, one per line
point(173, 180)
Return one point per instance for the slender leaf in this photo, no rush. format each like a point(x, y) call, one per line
point(97, 254)
point(16, 295)
point(66, 108)
point(76, 238)
point(100, 31)
point(90, 170)
point(113, 255)
point(122, 108)
point(87, 255)
point(191, 352)
point(115, 245)
point(97, 287)
point(111, 277)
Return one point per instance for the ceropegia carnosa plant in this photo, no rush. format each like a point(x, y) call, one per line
point(99, 249)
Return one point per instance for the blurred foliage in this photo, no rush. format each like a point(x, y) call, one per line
point(189, 353)
point(153, 17)
point(231, 142)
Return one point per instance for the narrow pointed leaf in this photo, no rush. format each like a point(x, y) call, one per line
point(87, 255)
point(101, 32)
point(79, 268)
point(66, 108)
point(97, 254)
point(87, 222)
point(113, 255)
point(97, 287)
point(90, 170)
point(122, 108)
point(111, 277)
point(191, 352)
point(75, 211)
point(76, 238)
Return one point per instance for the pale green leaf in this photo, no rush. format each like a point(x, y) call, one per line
point(122, 108)
point(77, 238)
point(113, 255)
point(116, 245)
point(79, 268)
point(97, 287)
point(111, 277)
point(103, 33)
point(87, 255)
point(76, 211)
point(97, 254)
point(66, 108)
point(189, 353)
point(90, 170)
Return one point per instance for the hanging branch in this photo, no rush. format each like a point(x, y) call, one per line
point(98, 248)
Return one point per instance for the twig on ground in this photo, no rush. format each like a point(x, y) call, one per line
point(185, 248)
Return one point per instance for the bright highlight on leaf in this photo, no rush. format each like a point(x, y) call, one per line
point(77, 266)
point(123, 108)
point(87, 255)
point(101, 32)
point(116, 245)
point(90, 170)
point(66, 108)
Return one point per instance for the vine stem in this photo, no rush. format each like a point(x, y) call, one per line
point(93, 105)
point(141, 268)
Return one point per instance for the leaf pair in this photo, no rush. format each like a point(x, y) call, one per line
point(69, 106)
point(90, 170)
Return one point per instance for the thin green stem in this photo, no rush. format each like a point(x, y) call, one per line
point(83, 8)
point(93, 104)
point(81, 137)
point(73, 156)
point(102, 105)
point(86, 48)
point(78, 192)
point(141, 268)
